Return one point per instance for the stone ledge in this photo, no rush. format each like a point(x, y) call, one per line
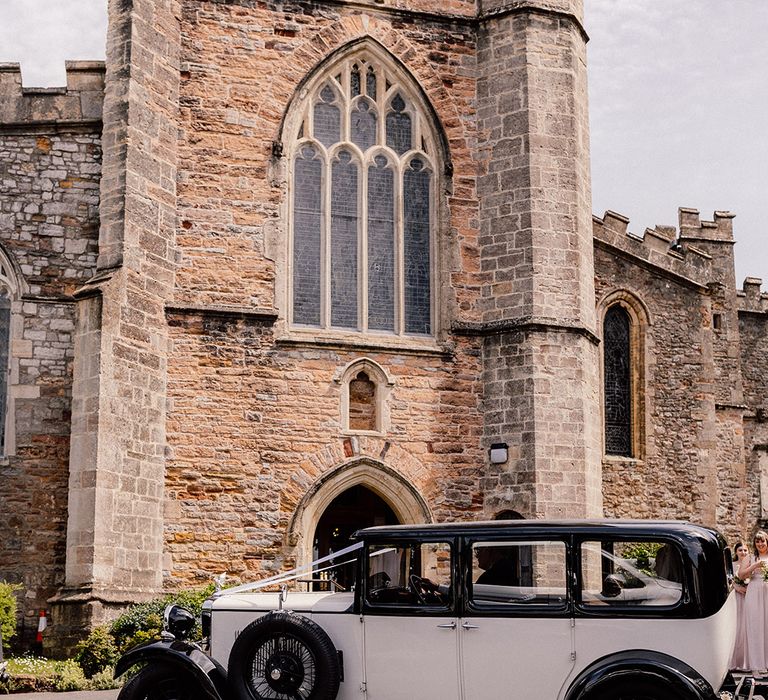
point(524, 323)
point(365, 344)
point(500, 10)
point(268, 316)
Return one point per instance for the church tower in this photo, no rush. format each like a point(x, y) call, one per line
point(304, 206)
point(540, 353)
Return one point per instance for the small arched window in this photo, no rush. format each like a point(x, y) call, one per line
point(617, 366)
point(362, 214)
point(365, 387)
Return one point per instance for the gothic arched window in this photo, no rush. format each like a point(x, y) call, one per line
point(8, 293)
point(617, 365)
point(363, 185)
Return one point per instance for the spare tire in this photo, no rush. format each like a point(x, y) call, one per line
point(283, 656)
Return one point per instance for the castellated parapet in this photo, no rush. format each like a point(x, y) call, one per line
point(80, 100)
point(683, 252)
point(751, 297)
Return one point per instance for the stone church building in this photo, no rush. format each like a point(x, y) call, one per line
point(279, 270)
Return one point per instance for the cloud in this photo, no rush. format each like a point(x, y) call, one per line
point(677, 99)
point(42, 34)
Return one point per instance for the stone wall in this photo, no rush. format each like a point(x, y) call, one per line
point(541, 373)
point(253, 425)
point(50, 163)
point(117, 464)
point(271, 427)
point(241, 67)
point(753, 330)
point(690, 459)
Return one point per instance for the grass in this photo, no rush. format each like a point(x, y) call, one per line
point(31, 673)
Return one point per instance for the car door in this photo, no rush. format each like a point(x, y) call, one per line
point(516, 632)
point(410, 625)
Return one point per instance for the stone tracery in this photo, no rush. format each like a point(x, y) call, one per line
point(362, 212)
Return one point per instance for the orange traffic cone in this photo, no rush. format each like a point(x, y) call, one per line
point(41, 625)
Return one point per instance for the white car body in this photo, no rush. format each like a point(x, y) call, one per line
point(474, 641)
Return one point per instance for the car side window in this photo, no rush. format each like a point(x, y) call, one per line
point(633, 574)
point(415, 574)
point(518, 574)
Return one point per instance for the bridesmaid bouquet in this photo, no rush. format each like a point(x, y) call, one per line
point(740, 581)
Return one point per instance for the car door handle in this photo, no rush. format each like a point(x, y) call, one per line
point(469, 626)
point(448, 626)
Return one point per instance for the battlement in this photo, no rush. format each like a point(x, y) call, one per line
point(751, 298)
point(80, 101)
point(666, 247)
point(692, 228)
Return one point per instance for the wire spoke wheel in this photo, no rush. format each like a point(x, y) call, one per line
point(283, 668)
point(283, 656)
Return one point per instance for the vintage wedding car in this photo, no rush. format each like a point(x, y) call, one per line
point(576, 610)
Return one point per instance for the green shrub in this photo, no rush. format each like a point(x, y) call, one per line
point(68, 675)
point(643, 553)
point(97, 652)
point(144, 621)
point(95, 656)
point(103, 680)
point(8, 610)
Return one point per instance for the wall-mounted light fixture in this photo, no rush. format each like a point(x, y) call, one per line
point(499, 452)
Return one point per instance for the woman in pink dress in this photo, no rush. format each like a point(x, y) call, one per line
point(756, 606)
point(738, 659)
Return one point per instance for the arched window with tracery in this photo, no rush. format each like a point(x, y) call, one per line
point(617, 373)
point(362, 214)
point(8, 292)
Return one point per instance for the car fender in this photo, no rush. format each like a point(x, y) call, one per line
point(186, 658)
point(673, 673)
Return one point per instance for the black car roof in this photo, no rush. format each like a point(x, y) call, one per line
point(679, 528)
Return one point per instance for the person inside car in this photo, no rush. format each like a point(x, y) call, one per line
point(499, 565)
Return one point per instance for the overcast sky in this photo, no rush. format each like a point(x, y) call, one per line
point(678, 99)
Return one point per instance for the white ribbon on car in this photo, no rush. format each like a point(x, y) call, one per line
point(293, 574)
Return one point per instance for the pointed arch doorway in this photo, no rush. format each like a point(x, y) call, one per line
point(351, 510)
point(397, 493)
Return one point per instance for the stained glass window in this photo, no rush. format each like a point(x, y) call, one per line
point(327, 117)
point(307, 221)
point(416, 247)
point(618, 384)
point(344, 242)
point(370, 83)
point(354, 81)
point(398, 127)
point(381, 246)
point(363, 125)
point(363, 184)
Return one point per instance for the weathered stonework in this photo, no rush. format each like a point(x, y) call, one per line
point(115, 526)
point(50, 161)
point(208, 435)
point(692, 398)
